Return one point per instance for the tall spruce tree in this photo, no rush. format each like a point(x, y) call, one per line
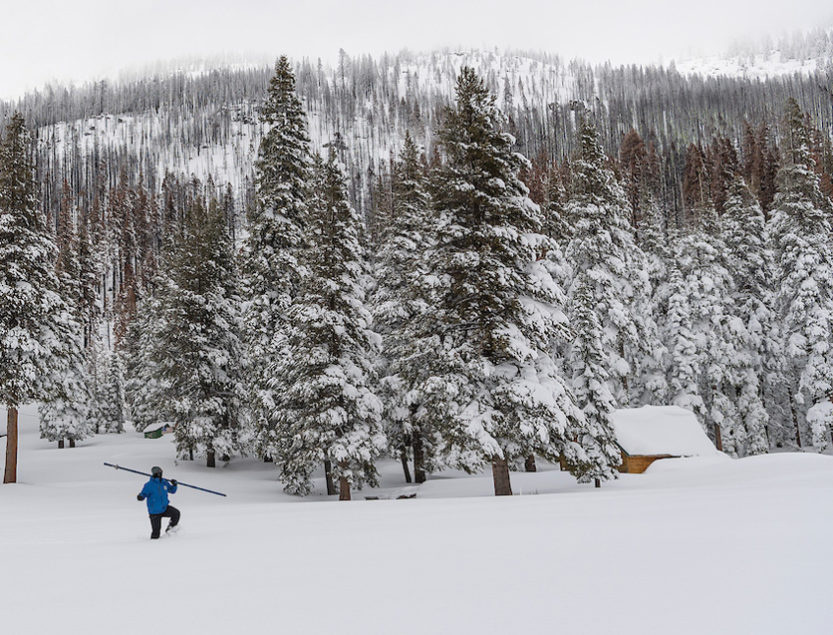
point(749, 261)
point(603, 248)
point(197, 350)
point(277, 235)
point(36, 326)
point(801, 232)
point(590, 378)
point(325, 410)
point(65, 411)
point(681, 345)
point(399, 302)
point(145, 388)
point(712, 343)
point(496, 392)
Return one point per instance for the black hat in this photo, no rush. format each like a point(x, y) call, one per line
point(156, 471)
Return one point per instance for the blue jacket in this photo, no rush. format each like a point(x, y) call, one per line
point(156, 491)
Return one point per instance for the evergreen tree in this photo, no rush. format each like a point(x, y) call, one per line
point(749, 261)
point(146, 389)
point(111, 400)
point(325, 410)
point(401, 301)
point(680, 340)
point(198, 353)
point(590, 379)
point(36, 328)
point(277, 235)
point(712, 361)
point(603, 247)
point(64, 413)
point(801, 233)
point(496, 393)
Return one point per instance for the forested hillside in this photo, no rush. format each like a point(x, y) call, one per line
point(462, 259)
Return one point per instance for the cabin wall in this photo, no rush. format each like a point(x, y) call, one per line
point(638, 463)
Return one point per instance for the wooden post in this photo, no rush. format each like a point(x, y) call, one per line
point(500, 475)
point(10, 474)
point(718, 438)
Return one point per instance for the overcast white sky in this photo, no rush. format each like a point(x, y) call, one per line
point(80, 40)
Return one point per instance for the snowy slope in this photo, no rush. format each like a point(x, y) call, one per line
point(754, 67)
point(692, 546)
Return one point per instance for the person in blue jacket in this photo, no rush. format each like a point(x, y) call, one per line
point(156, 492)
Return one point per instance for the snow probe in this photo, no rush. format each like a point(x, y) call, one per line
point(127, 469)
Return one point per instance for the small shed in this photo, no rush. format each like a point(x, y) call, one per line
point(647, 434)
point(156, 430)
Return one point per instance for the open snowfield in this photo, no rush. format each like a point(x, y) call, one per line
point(692, 546)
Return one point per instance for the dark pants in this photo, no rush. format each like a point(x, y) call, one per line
point(156, 520)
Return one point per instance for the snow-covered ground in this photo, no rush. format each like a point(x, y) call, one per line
point(706, 545)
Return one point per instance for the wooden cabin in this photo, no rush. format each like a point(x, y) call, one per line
point(651, 433)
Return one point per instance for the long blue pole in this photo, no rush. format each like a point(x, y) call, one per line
point(127, 469)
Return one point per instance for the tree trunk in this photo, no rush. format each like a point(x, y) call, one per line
point(597, 482)
point(60, 444)
point(328, 476)
point(343, 489)
point(718, 438)
point(209, 459)
point(10, 475)
point(403, 457)
point(529, 464)
point(72, 443)
point(500, 475)
point(795, 423)
point(419, 457)
point(190, 454)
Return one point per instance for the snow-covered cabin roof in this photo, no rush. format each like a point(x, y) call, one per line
point(158, 426)
point(653, 430)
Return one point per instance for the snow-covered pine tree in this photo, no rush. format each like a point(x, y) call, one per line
point(749, 261)
point(590, 378)
point(325, 410)
point(719, 349)
point(198, 352)
point(112, 407)
point(603, 247)
point(680, 341)
point(64, 412)
point(800, 228)
point(35, 322)
point(496, 393)
point(652, 238)
point(277, 234)
point(400, 300)
point(146, 390)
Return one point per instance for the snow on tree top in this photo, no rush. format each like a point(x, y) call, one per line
point(652, 430)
